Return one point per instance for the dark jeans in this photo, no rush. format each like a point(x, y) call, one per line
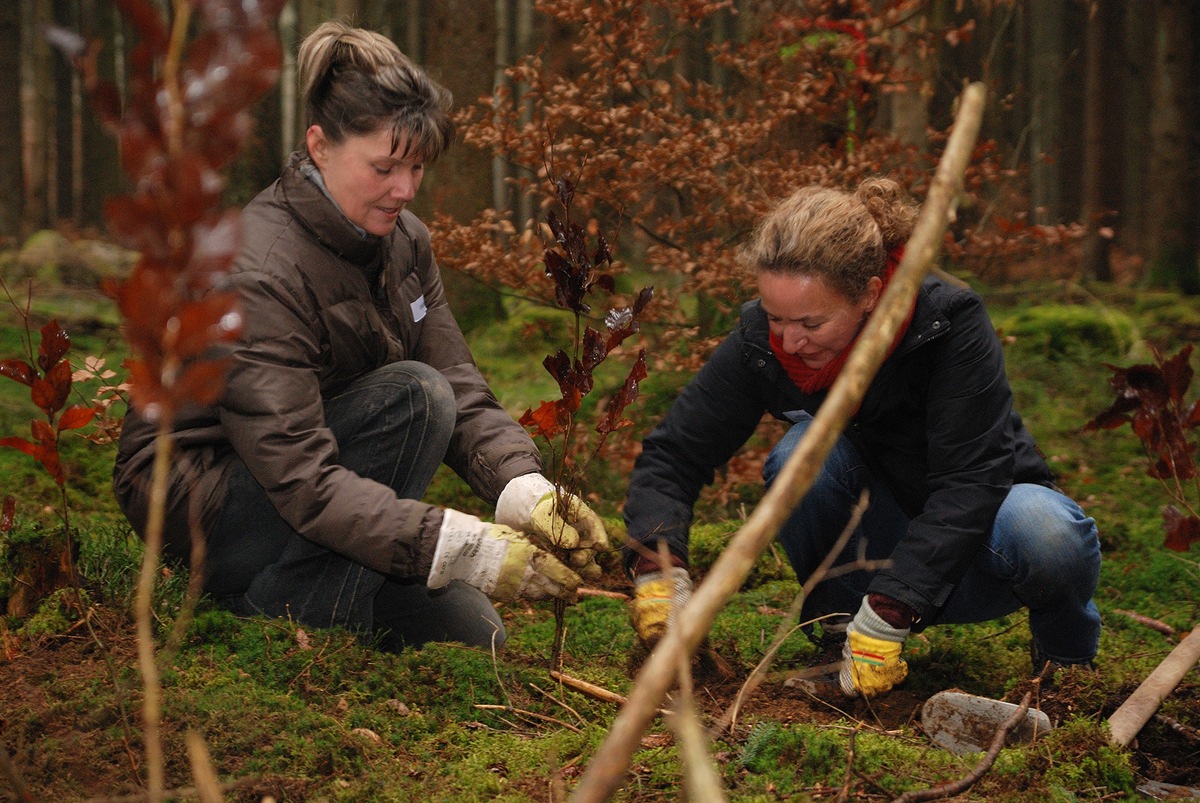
point(392, 426)
point(1043, 553)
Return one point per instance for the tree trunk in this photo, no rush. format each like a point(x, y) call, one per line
point(12, 176)
point(500, 83)
point(458, 53)
point(65, 123)
point(1045, 80)
point(37, 89)
point(1173, 182)
point(1098, 236)
point(413, 31)
point(909, 107)
point(289, 99)
point(524, 46)
point(1137, 78)
point(97, 172)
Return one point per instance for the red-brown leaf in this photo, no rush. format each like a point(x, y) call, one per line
point(201, 382)
point(613, 419)
point(50, 393)
point(21, 445)
point(1177, 374)
point(1182, 531)
point(18, 370)
point(55, 344)
point(546, 421)
point(212, 319)
point(76, 416)
point(42, 432)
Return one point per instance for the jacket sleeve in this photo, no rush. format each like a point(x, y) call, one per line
point(710, 420)
point(488, 448)
point(273, 415)
point(970, 441)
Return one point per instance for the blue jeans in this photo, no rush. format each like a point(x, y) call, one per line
point(393, 426)
point(1043, 553)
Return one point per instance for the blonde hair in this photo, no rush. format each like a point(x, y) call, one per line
point(842, 237)
point(358, 82)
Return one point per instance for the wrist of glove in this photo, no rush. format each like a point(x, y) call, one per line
point(657, 598)
point(498, 560)
point(532, 504)
point(871, 662)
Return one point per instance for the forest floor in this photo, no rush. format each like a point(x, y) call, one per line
point(293, 714)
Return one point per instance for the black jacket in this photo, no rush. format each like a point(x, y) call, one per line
point(936, 425)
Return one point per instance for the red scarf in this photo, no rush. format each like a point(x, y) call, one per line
point(811, 380)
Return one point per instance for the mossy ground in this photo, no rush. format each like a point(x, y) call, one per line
point(296, 714)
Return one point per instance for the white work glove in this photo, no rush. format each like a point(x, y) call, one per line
point(497, 560)
point(530, 503)
point(871, 658)
point(657, 599)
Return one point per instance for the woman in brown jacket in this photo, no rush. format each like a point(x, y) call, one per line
point(351, 384)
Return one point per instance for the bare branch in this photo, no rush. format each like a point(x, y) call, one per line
point(985, 763)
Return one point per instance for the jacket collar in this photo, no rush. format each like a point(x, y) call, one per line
point(321, 216)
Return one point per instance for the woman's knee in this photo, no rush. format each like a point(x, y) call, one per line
point(1058, 540)
point(427, 388)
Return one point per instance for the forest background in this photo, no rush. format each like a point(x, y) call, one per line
point(679, 123)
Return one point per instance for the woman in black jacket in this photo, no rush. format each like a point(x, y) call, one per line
point(962, 504)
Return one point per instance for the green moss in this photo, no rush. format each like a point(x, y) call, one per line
point(1062, 330)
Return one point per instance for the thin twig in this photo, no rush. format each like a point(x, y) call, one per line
point(521, 712)
point(557, 701)
point(981, 768)
point(592, 690)
point(845, 793)
point(1186, 731)
point(1153, 624)
point(600, 592)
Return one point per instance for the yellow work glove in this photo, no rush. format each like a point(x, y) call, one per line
point(498, 560)
point(530, 503)
point(657, 597)
point(871, 658)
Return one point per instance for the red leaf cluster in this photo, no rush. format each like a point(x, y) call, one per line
point(573, 266)
point(187, 115)
point(49, 383)
point(1151, 399)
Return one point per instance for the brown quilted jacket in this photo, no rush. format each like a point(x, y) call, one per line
point(324, 305)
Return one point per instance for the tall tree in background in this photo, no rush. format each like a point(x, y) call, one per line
point(37, 96)
point(12, 176)
point(97, 170)
point(1097, 96)
point(1045, 80)
point(1172, 213)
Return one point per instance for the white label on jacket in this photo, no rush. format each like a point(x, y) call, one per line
point(418, 309)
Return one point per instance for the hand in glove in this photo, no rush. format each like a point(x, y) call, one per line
point(657, 597)
point(871, 658)
point(531, 503)
point(497, 560)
